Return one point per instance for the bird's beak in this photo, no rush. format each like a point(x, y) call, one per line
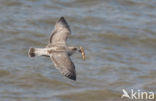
point(82, 53)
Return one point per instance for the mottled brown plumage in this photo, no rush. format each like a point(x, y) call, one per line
point(58, 50)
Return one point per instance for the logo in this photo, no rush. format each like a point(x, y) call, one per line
point(137, 94)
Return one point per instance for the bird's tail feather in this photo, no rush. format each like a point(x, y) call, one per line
point(38, 52)
point(31, 52)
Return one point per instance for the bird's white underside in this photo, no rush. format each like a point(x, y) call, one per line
point(43, 51)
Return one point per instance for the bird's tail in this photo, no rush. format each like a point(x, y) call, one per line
point(38, 52)
point(31, 52)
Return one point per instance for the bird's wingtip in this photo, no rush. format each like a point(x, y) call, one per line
point(73, 78)
point(62, 19)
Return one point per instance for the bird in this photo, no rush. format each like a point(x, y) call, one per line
point(58, 50)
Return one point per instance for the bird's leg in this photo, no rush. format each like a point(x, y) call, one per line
point(38, 52)
point(82, 53)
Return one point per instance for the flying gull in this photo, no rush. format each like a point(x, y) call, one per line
point(58, 50)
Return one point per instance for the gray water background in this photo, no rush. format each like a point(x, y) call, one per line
point(119, 37)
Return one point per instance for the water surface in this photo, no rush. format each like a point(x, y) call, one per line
point(119, 37)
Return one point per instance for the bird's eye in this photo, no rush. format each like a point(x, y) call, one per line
point(74, 49)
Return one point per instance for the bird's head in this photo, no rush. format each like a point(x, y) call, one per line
point(80, 50)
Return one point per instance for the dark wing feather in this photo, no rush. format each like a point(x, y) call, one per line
point(64, 64)
point(60, 33)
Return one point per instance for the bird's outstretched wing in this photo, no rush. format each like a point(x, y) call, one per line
point(60, 33)
point(64, 64)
